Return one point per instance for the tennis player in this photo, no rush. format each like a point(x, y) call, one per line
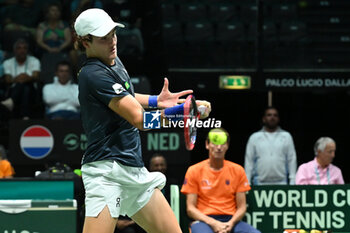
point(115, 179)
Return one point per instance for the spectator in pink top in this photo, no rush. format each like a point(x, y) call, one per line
point(320, 170)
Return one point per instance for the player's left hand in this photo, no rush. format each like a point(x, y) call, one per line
point(204, 107)
point(166, 99)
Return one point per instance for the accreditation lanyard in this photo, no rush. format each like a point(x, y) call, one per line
point(318, 175)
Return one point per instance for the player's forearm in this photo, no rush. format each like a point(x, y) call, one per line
point(142, 99)
point(128, 108)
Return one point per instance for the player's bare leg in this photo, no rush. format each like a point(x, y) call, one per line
point(157, 216)
point(103, 223)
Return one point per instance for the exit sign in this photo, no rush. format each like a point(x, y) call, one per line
point(236, 82)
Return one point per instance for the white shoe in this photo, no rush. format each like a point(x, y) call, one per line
point(8, 103)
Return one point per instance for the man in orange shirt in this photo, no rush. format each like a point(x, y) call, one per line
point(6, 170)
point(215, 190)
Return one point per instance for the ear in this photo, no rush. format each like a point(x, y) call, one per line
point(86, 44)
point(207, 144)
point(228, 145)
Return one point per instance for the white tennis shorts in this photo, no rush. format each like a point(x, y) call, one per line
point(124, 189)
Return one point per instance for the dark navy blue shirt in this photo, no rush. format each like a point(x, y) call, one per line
point(110, 137)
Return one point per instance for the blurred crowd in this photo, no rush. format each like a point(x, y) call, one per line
point(38, 64)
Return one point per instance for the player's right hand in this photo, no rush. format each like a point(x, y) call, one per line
point(167, 99)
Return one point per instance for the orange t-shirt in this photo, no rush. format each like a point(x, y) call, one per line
point(5, 168)
point(216, 190)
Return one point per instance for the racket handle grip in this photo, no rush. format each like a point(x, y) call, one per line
point(175, 113)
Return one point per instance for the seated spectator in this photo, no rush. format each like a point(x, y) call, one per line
point(53, 35)
point(216, 190)
point(21, 73)
point(6, 169)
point(320, 170)
point(158, 163)
point(61, 96)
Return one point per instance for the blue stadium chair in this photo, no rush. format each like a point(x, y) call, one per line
point(292, 31)
point(284, 12)
point(173, 41)
point(192, 11)
point(222, 12)
point(169, 11)
point(230, 32)
point(199, 32)
point(292, 47)
point(269, 31)
point(231, 43)
point(200, 41)
point(248, 11)
point(172, 33)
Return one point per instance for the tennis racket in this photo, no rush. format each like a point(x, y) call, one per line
point(191, 115)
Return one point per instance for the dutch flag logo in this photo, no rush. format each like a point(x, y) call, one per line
point(36, 142)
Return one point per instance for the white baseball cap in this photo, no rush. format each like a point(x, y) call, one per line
point(96, 22)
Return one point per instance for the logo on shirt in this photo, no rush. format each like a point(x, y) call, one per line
point(127, 85)
point(185, 181)
point(227, 182)
point(151, 120)
point(206, 184)
point(118, 88)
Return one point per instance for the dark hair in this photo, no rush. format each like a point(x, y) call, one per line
point(63, 63)
point(270, 108)
point(157, 155)
point(78, 43)
point(47, 8)
point(20, 41)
